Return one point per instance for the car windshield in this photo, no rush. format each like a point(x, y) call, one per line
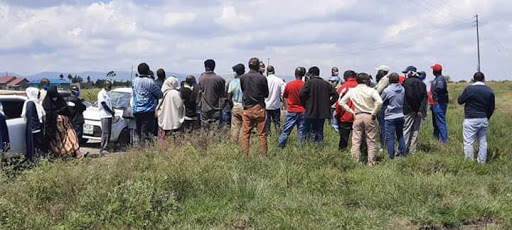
point(120, 100)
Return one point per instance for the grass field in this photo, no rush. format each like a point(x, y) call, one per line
point(206, 183)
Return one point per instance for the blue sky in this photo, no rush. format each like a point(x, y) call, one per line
point(88, 35)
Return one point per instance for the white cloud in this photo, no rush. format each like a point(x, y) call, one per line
point(173, 19)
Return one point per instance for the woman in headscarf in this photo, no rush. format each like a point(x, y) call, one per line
point(33, 112)
point(170, 110)
point(59, 131)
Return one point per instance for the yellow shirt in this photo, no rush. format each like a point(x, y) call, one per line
point(364, 98)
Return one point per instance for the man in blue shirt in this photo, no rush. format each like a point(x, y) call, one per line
point(478, 100)
point(146, 94)
point(393, 99)
point(439, 103)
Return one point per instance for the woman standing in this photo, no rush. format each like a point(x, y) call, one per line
point(59, 131)
point(33, 112)
point(170, 110)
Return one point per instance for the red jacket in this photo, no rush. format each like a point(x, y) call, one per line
point(341, 114)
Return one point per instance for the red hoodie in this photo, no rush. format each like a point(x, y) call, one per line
point(341, 114)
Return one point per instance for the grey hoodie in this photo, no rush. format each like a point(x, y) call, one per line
point(393, 98)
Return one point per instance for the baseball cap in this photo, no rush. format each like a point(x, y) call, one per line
point(383, 68)
point(437, 67)
point(409, 69)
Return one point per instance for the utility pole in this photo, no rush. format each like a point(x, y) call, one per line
point(477, 42)
point(268, 61)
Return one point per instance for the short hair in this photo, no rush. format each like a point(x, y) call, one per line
point(190, 80)
point(160, 73)
point(362, 78)
point(315, 71)
point(254, 64)
point(239, 69)
point(270, 69)
point(349, 74)
point(394, 77)
point(209, 65)
point(300, 72)
point(478, 76)
point(143, 69)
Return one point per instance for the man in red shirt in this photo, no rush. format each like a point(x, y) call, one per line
point(345, 119)
point(295, 115)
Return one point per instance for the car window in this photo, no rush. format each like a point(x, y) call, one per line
point(12, 108)
point(120, 100)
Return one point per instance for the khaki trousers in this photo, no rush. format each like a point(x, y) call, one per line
point(236, 123)
point(254, 117)
point(364, 126)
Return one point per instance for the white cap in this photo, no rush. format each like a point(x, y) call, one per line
point(383, 68)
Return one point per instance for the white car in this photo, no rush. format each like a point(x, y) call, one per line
point(12, 107)
point(123, 126)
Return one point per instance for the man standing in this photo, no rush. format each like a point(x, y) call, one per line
point(335, 83)
point(146, 94)
point(479, 105)
point(189, 92)
point(76, 109)
point(235, 99)
point(345, 118)
point(367, 102)
point(255, 89)
point(415, 106)
point(295, 115)
point(382, 78)
point(317, 96)
point(393, 100)
point(439, 104)
point(273, 101)
point(212, 89)
point(106, 115)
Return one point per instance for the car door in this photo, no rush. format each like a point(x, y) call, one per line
point(16, 125)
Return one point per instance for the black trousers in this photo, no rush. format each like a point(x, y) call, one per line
point(145, 123)
point(345, 130)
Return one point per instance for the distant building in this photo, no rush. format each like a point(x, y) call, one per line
point(62, 84)
point(13, 83)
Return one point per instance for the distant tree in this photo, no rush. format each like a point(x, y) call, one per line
point(111, 74)
point(70, 77)
point(448, 78)
point(88, 79)
point(61, 76)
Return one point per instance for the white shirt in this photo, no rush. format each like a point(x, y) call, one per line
point(275, 91)
point(103, 96)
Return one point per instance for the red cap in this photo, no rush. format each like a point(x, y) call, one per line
point(437, 67)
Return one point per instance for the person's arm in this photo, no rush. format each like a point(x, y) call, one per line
point(492, 107)
point(106, 108)
point(334, 96)
point(265, 88)
point(423, 109)
point(80, 107)
point(377, 103)
point(155, 90)
point(343, 103)
point(463, 97)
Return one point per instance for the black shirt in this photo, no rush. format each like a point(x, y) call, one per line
point(77, 111)
point(415, 95)
point(317, 96)
point(189, 97)
point(479, 101)
point(255, 89)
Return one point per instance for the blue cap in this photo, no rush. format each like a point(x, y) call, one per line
point(409, 69)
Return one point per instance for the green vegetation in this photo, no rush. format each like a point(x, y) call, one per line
point(203, 182)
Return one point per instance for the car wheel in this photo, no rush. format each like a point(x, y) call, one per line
point(124, 139)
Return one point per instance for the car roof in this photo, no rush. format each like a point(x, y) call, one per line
point(3, 97)
point(122, 90)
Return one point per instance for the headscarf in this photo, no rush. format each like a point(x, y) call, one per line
point(54, 105)
point(32, 95)
point(170, 110)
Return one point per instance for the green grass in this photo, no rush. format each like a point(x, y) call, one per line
point(206, 183)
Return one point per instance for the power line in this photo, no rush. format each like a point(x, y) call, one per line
point(433, 9)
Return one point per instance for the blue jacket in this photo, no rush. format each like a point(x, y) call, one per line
point(439, 90)
point(145, 95)
point(393, 98)
point(478, 100)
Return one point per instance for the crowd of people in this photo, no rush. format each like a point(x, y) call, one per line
point(389, 111)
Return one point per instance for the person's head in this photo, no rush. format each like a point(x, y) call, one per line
point(108, 85)
point(437, 69)
point(44, 84)
point(479, 77)
point(32, 93)
point(300, 72)
point(314, 71)
point(349, 74)
point(362, 78)
point(270, 70)
point(382, 70)
point(143, 70)
point(422, 75)
point(160, 73)
point(171, 83)
point(393, 78)
point(75, 90)
point(254, 64)
point(261, 67)
point(190, 80)
point(151, 74)
point(410, 71)
point(238, 70)
point(335, 71)
point(209, 65)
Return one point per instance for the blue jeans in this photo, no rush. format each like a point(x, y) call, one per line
point(473, 129)
point(395, 126)
point(382, 124)
point(290, 121)
point(273, 116)
point(79, 131)
point(439, 122)
point(314, 130)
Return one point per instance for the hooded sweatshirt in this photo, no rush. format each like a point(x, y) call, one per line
point(393, 98)
point(170, 110)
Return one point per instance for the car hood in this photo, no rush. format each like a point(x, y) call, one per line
point(93, 113)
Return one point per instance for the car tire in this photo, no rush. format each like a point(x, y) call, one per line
point(123, 141)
